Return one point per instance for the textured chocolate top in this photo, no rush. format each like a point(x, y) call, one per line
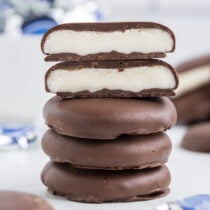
point(144, 151)
point(98, 186)
point(108, 118)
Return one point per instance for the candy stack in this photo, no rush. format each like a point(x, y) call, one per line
point(106, 139)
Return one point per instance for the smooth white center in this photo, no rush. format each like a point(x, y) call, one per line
point(91, 42)
point(131, 79)
point(193, 79)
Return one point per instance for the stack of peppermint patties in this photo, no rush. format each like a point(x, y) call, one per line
point(106, 139)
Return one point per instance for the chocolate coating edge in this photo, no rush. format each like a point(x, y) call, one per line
point(193, 106)
point(15, 200)
point(193, 63)
point(113, 55)
point(197, 138)
point(67, 117)
point(105, 93)
point(155, 195)
point(97, 186)
point(135, 152)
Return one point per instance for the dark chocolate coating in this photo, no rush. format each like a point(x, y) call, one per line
point(126, 152)
point(97, 186)
point(193, 63)
point(193, 106)
point(105, 27)
point(121, 65)
point(12, 200)
point(111, 56)
point(197, 138)
point(108, 118)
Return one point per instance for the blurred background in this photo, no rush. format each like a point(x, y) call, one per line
point(23, 22)
point(22, 92)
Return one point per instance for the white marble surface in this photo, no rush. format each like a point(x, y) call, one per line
point(190, 172)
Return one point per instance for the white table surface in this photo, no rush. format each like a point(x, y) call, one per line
point(20, 170)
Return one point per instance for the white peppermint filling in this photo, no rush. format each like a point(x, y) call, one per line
point(193, 79)
point(90, 42)
point(133, 79)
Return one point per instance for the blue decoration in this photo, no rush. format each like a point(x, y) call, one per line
point(38, 25)
point(197, 202)
point(21, 135)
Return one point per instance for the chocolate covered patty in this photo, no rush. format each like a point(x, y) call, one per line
point(98, 186)
point(192, 99)
point(197, 138)
point(107, 41)
point(193, 74)
point(111, 79)
point(193, 106)
point(11, 200)
point(109, 118)
point(126, 152)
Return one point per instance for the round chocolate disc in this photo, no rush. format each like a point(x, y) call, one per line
point(197, 138)
point(11, 200)
point(194, 106)
point(97, 186)
point(125, 152)
point(108, 118)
